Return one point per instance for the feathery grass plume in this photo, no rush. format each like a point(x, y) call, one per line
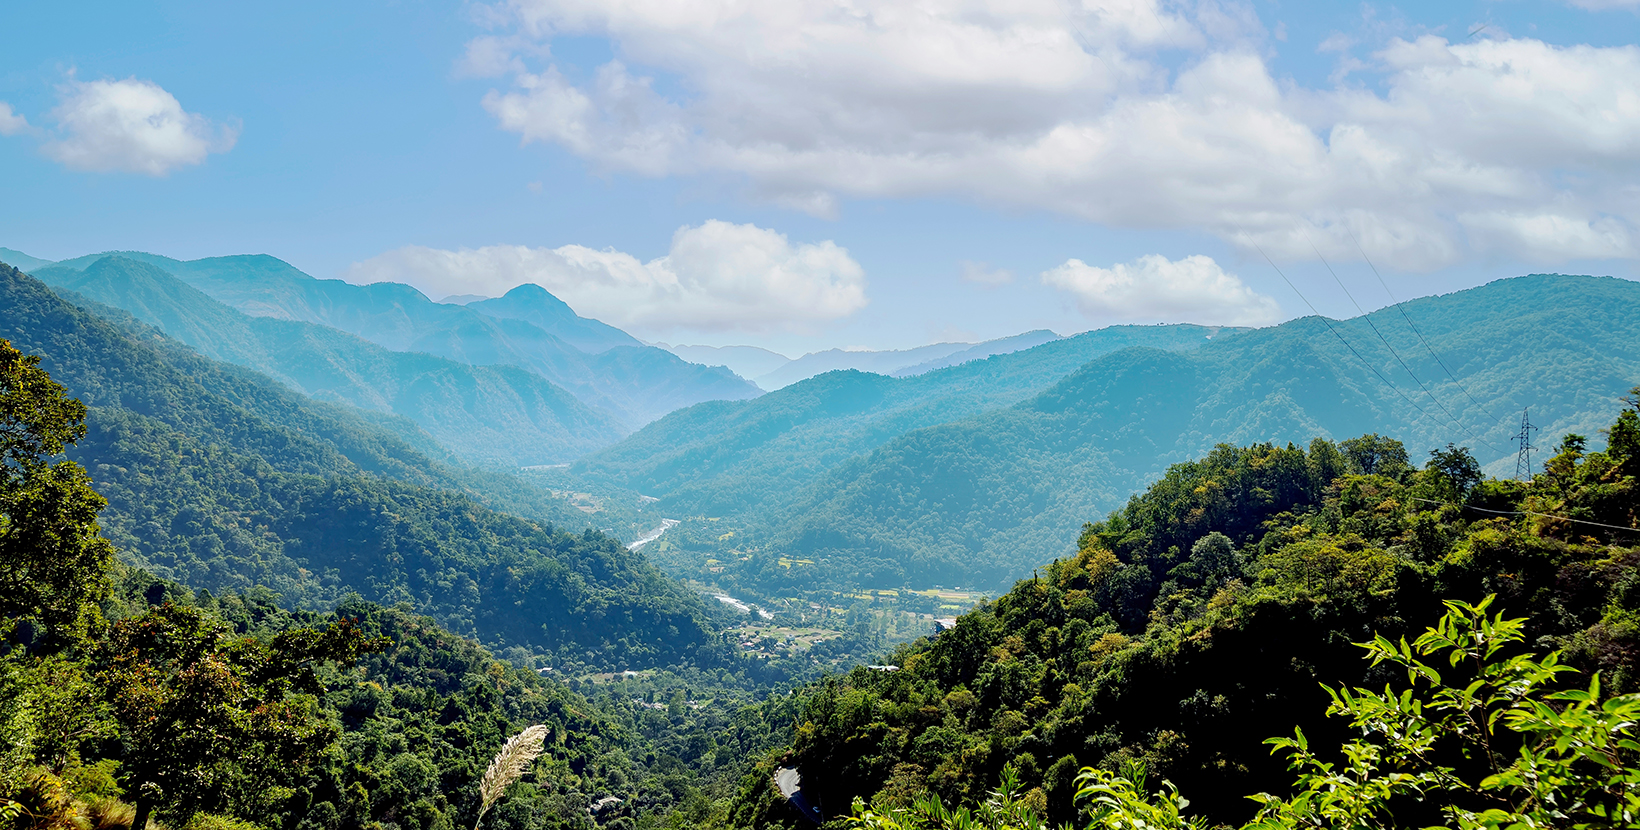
point(509, 765)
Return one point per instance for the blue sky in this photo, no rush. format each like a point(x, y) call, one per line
point(1101, 172)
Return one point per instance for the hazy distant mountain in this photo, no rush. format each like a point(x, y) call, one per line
point(877, 362)
point(635, 383)
point(462, 299)
point(989, 497)
point(975, 473)
point(741, 457)
point(492, 414)
point(1003, 345)
point(221, 478)
point(746, 361)
point(20, 260)
point(897, 363)
point(536, 305)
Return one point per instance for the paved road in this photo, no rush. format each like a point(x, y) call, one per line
point(790, 783)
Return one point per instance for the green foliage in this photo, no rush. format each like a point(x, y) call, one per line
point(1004, 810)
point(1215, 605)
point(1489, 740)
point(221, 479)
point(202, 715)
point(880, 487)
point(51, 559)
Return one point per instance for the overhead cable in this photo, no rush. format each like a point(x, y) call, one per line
point(1347, 345)
point(1367, 317)
point(1414, 326)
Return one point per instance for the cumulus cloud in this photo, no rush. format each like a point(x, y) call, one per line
point(131, 126)
point(717, 276)
point(1154, 288)
point(1069, 107)
point(11, 123)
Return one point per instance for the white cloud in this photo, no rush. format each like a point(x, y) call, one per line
point(716, 277)
point(11, 123)
point(1064, 106)
point(1154, 288)
point(980, 273)
point(131, 126)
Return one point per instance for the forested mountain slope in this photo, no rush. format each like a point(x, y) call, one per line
point(221, 479)
point(980, 500)
point(743, 457)
point(635, 383)
point(490, 414)
point(1203, 617)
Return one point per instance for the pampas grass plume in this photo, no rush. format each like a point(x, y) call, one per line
point(509, 765)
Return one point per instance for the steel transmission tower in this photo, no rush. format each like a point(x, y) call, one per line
point(1523, 461)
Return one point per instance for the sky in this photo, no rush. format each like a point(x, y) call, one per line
point(811, 174)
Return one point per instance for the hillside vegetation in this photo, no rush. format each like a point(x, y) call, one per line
point(488, 414)
point(905, 499)
point(634, 383)
point(1204, 616)
point(222, 479)
point(739, 457)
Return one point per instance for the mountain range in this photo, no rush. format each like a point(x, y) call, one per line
point(221, 478)
point(491, 414)
point(600, 365)
point(954, 463)
point(974, 474)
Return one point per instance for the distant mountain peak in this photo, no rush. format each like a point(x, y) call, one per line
point(536, 305)
point(529, 292)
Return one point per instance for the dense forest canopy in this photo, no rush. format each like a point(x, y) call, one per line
point(1203, 617)
point(224, 480)
point(125, 698)
point(977, 500)
point(227, 606)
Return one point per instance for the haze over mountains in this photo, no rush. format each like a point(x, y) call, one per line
point(953, 463)
point(493, 414)
point(631, 382)
point(973, 474)
point(220, 478)
point(771, 371)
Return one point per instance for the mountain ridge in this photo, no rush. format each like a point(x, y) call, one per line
point(401, 318)
point(490, 414)
point(1111, 427)
point(221, 478)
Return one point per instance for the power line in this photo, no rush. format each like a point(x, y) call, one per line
point(1367, 317)
point(1526, 513)
point(1414, 326)
point(1328, 324)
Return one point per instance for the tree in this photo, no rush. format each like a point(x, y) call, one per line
point(1459, 467)
point(53, 564)
point(1373, 454)
point(1623, 439)
point(200, 712)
